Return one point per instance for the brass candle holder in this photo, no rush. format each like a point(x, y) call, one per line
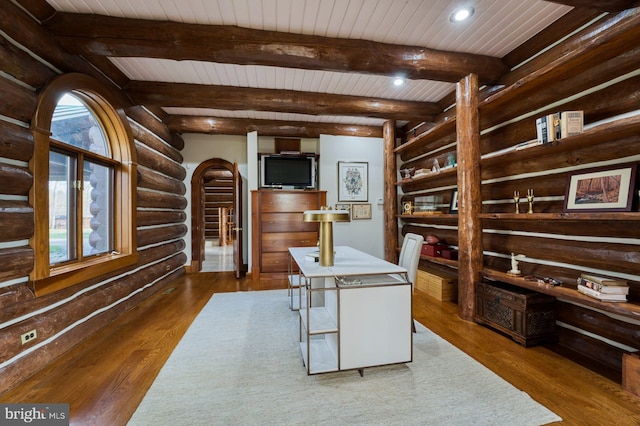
point(530, 200)
point(516, 199)
point(326, 216)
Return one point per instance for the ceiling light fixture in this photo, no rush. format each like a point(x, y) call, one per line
point(461, 14)
point(398, 81)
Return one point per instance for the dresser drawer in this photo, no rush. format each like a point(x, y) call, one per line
point(286, 222)
point(275, 262)
point(277, 201)
point(281, 241)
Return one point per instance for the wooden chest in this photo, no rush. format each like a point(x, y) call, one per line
point(525, 315)
point(441, 285)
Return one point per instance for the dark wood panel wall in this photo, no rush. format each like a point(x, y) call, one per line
point(66, 317)
point(570, 76)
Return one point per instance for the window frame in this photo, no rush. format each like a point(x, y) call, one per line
point(80, 158)
point(103, 104)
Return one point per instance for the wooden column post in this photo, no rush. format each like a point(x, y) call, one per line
point(469, 194)
point(390, 192)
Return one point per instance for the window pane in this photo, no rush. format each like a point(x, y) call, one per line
point(73, 123)
point(97, 202)
point(62, 212)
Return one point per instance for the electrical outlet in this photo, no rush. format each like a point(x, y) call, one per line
point(28, 336)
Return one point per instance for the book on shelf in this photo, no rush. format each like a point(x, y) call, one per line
point(603, 280)
point(571, 123)
point(601, 296)
point(559, 125)
point(545, 128)
point(606, 289)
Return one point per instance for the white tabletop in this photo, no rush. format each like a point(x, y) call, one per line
point(347, 261)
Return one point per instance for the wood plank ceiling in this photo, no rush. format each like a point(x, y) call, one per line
point(296, 67)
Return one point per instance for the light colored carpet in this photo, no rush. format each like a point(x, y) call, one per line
point(240, 364)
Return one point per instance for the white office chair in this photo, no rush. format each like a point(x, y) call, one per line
point(410, 255)
point(410, 258)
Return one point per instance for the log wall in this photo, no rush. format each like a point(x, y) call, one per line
point(597, 70)
point(28, 60)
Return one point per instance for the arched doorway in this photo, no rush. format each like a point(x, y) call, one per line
point(216, 210)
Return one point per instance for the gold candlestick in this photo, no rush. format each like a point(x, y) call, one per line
point(530, 199)
point(516, 198)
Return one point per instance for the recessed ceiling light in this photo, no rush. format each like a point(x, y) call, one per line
point(461, 14)
point(398, 81)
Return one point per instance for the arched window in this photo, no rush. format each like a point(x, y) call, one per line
point(81, 180)
point(83, 193)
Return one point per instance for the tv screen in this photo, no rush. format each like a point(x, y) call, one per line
point(288, 171)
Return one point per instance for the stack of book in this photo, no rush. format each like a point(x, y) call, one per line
point(545, 129)
point(559, 125)
point(602, 288)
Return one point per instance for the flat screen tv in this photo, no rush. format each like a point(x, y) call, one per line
point(288, 171)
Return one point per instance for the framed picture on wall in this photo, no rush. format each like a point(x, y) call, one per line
point(353, 181)
point(360, 211)
point(601, 189)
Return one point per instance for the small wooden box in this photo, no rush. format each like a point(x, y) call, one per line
point(450, 254)
point(631, 373)
point(433, 250)
point(525, 315)
point(441, 285)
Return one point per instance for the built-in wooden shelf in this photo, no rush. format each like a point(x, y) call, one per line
point(417, 145)
point(630, 310)
point(429, 218)
point(434, 179)
point(624, 216)
point(629, 216)
point(513, 156)
point(530, 159)
point(440, 261)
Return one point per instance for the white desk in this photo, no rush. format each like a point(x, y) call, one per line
point(364, 321)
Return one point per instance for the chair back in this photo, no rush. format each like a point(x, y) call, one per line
point(410, 254)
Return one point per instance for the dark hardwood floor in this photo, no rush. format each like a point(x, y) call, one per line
point(105, 378)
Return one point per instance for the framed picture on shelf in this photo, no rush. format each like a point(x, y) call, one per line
point(453, 205)
point(601, 189)
point(342, 206)
point(353, 181)
point(360, 211)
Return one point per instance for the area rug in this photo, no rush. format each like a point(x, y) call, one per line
point(240, 364)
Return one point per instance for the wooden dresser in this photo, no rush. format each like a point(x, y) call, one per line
point(277, 225)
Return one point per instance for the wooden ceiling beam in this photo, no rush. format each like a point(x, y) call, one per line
point(40, 9)
point(602, 5)
point(287, 101)
point(86, 34)
point(235, 126)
